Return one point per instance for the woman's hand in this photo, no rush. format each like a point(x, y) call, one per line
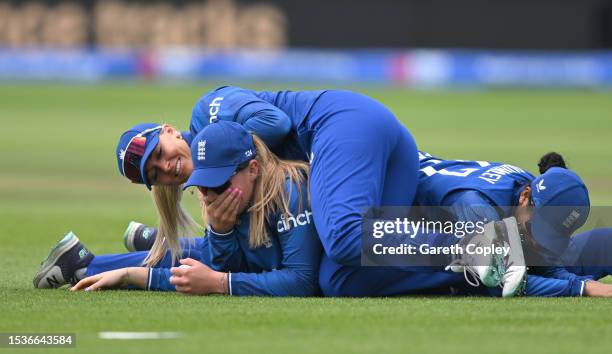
point(108, 280)
point(114, 279)
point(597, 289)
point(222, 211)
point(198, 279)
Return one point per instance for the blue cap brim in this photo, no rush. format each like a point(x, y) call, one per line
point(148, 151)
point(210, 177)
point(547, 236)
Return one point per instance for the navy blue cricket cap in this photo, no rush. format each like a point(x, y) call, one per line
point(217, 151)
point(133, 150)
point(561, 206)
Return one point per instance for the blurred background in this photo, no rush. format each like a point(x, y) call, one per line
point(560, 43)
point(499, 80)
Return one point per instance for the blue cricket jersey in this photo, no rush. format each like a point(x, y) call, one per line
point(499, 182)
point(482, 190)
point(288, 265)
point(273, 116)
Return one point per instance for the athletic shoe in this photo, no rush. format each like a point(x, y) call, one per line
point(139, 237)
point(515, 278)
point(66, 263)
point(488, 269)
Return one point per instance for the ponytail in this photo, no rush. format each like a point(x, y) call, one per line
point(552, 159)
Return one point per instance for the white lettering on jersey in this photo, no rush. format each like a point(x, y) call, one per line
point(494, 174)
point(286, 224)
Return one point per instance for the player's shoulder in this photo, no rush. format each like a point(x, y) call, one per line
point(221, 103)
point(225, 93)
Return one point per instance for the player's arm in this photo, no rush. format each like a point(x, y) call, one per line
point(114, 279)
point(242, 106)
point(225, 252)
point(266, 121)
point(550, 287)
point(558, 273)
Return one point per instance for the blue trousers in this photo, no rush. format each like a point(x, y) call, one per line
point(361, 157)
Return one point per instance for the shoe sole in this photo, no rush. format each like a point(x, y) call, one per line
point(516, 245)
point(63, 246)
point(494, 276)
point(519, 290)
point(128, 236)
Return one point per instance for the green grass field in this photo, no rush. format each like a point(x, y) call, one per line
point(58, 173)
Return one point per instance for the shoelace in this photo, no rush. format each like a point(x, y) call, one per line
point(469, 270)
point(466, 270)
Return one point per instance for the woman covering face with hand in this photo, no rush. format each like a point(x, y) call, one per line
point(260, 238)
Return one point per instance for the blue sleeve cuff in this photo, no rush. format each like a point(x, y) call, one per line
point(577, 287)
point(159, 279)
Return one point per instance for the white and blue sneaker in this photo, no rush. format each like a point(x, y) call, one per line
point(139, 237)
point(508, 272)
point(489, 269)
point(66, 264)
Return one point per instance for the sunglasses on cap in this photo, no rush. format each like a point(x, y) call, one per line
point(134, 153)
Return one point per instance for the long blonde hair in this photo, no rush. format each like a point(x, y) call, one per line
point(173, 220)
point(269, 196)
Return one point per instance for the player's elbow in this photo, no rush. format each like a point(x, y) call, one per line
point(306, 284)
point(283, 125)
point(335, 287)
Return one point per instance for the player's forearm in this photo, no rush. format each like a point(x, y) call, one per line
point(137, 277)
point(283, 282)
point(225, 253)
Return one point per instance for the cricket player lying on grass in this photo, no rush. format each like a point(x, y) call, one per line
point(473, 191)
point(478, 190)
point(235, 256)
point(284, 261)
